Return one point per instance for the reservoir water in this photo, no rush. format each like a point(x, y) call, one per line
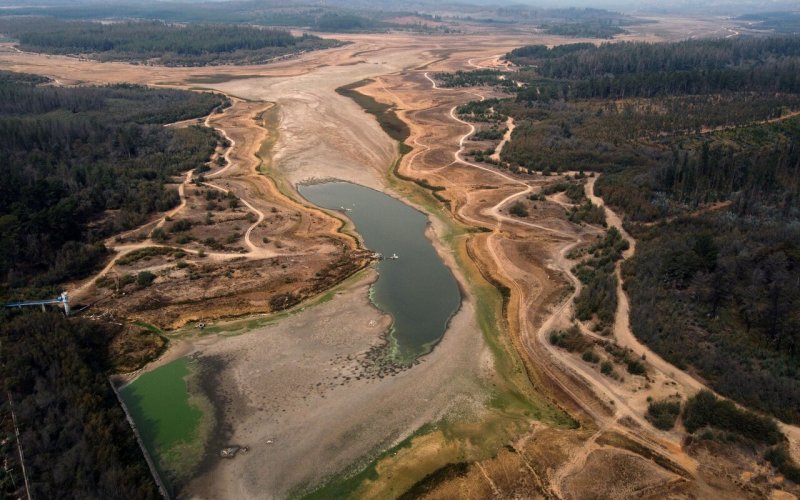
point(168, 422)
point(416, 289)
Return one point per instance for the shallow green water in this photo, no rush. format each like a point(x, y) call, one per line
point(159, 404)
point(418, 290)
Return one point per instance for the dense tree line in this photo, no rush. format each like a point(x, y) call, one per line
point(705, 409)
point(691, 151)
point(598, 298)
point(753, 168)
point(474, 78)
point(772, 76)
point(83, 163)
point(173, 45)
point(779, 21)
point(759, 170)
point(588, 29)
point(769, 76)
point(638, 69)
point(76, 440)
point(587, 61)
point(529, 53)
point(334, 21)
point(244, 13)
point(719, 292)
point(539, 15)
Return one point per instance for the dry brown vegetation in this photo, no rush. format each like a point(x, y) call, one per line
point(235, 245)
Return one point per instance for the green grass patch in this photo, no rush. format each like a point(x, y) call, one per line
point(346, 485)
point(269, 120)
point(148, 326)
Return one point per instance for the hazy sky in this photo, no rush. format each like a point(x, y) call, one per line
point(693, 6)
point(716, 7)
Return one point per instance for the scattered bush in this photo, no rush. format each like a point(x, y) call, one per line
point(492, 134)
point(589, 213)
point(518, 209)
point(663, 414)
point(636, 367)
point(779, 457)
point(104, 282)
point(571, 339)
point(180, 226)
point(144, 254)
point(145, 279)
point(590, 356)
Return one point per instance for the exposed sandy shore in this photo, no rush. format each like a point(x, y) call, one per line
point(299, 383)
point(324, 135)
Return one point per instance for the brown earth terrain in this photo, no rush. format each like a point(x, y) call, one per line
point(522, 254)
point(242, 230)
point(300, 389)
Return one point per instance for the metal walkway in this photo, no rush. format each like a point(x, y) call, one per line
point(62, 300)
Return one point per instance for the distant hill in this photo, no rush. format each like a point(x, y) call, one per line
point(779, 22)
point(158, 42)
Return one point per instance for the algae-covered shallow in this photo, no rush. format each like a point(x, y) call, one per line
point(416, 289)
point(169, 419)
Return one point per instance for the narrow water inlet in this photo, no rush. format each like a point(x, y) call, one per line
point(416, 289)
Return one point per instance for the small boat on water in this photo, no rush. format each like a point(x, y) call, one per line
point(394, 257)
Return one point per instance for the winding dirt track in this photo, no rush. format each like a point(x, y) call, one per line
point(254, 251)
point(506, 137)
point(602, 386)
point(625, 413)
point(625, 336)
